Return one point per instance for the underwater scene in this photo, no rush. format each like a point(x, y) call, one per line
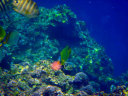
point(55, 48)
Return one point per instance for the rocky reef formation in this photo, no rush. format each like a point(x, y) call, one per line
point(40, 79)
point(25, 64)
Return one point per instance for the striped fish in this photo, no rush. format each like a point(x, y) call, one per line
point(26, 7)
point(4, 5)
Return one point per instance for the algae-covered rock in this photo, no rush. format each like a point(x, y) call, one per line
point(81, 79)
point(88, 89)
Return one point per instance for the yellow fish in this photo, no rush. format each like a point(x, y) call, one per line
point(1, 44)
point(11, 38)
point(2, 34)
point(26, 7)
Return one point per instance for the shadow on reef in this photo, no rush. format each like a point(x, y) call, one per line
point(5, 63)
point(64, 33)
point(64, 28)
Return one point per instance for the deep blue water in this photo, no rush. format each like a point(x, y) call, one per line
point(107, 21)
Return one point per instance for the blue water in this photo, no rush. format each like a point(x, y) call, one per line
point(107, 21)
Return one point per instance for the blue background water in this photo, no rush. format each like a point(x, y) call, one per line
point(107, 21)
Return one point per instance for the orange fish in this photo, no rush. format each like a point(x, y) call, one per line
point(56, 65)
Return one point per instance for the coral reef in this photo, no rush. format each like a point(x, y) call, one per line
point(24, 78)
point(26, 65)
point(39, 80)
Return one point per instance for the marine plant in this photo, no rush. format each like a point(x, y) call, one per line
point(65, 53)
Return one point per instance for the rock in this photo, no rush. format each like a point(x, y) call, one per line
point(81, 79)
point(81, 93)
point(48, 91)
point(88, 89)
point(95, 85)
point(12, 83)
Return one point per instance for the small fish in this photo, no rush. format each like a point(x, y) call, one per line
point(11, 38)
point(56, 65)
point(2, 34)
point(1, 44)
point(26, 7)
